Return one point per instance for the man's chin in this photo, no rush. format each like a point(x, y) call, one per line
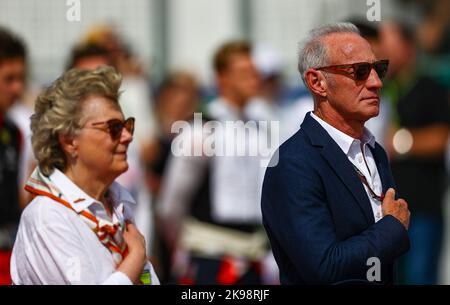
point(373, 108)
point(375, 112)
point(367, 115)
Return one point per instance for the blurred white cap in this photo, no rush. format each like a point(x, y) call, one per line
point(267, 59)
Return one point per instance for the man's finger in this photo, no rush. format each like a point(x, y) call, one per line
point(403, 202)
point(390, 194)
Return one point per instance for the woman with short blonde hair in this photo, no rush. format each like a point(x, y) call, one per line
point(79, 227)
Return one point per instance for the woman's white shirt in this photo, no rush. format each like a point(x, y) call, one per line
point(55, 246)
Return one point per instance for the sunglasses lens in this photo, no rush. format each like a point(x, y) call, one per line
point(381, 68)
point(115, 128)
point(362, 71)
point(129, 125)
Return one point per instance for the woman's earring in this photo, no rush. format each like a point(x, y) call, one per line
point(74, 154)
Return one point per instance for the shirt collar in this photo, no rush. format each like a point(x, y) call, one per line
point(343, 140)
point(79, 199)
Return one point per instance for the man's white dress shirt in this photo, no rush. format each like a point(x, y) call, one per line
point(360, 156)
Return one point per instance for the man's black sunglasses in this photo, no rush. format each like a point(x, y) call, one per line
point(359, 71)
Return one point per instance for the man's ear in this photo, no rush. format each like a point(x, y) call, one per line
point(69, 144)
point(316, 82)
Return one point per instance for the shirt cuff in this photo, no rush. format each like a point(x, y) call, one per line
point(118, 278)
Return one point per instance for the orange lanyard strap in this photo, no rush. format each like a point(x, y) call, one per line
point(107, 230)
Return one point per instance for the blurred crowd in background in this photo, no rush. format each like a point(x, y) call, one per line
point(200, 215)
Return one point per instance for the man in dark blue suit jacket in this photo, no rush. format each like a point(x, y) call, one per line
point(318, 207)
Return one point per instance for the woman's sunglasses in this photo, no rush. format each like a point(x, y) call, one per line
point(361, 70)
point(115, 127)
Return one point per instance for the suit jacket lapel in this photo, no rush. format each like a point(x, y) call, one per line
point(343, 168)
point(383, 169)
point(340, 164)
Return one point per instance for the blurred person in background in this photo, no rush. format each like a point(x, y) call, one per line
point(433, 37)
point(433, 33)
point(176, 100)
point(209, 204)
point(416, 145)
point(267, 105)
point(20, 113)
point(108, 37)
point(79, 227)
point(12, 83)
point(88, 57)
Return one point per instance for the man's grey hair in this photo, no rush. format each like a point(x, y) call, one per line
point(312, 51)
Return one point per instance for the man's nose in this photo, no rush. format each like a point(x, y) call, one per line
point(374, 81)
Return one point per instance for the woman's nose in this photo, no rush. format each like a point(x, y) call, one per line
point(126, 136)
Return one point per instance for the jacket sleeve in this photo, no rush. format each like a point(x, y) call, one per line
point(298, 220)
